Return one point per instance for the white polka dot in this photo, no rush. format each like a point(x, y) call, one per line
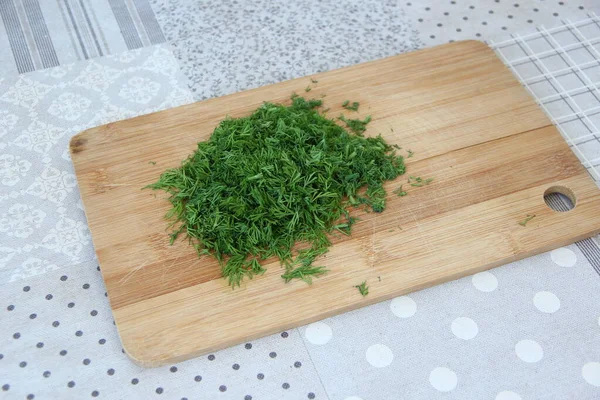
point(464, 328)
point(353, 398)
point(546, 302)
point(403, 307)
point(485, 281)
point(318, 333)
point(508, 395)
point(379, 355)
point(529, 351)
point(443, 379)
point(563, 257)
point(591, 373)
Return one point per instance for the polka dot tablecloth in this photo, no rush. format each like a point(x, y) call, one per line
point(527, 330)
point(515, 332)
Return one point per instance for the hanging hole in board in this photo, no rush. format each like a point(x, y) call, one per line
point(560, 198)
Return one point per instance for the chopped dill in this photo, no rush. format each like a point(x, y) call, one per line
point(307, 89)
point(527, 219)
point(352, 107)
point(152, 162)
point(400, 192)
point(314, 80)
point(410, 154)
point(363, 288)
point(356, 125)
point(280, 177)
point(304, 273)
point(418, 182)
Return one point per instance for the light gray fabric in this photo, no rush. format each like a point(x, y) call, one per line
point(413, 347)
point(42, 223)
point(487, 363)
point(224, 47)
point(39, 34)
point(280, 359)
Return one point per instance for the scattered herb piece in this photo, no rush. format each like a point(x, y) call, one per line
point(314, 80)
point(152, 162)
point(352, 107)
point(396, 147)
point(363, 288)
point(400, 192)
point(282, 176)
point(304, 273)
point(527, 219)
point(418, 182)
point(410, 153)
point(356, 125)
point(307, 89)
point(379, 278)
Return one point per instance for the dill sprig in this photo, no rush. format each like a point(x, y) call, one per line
point(356, 125)
point(527, 219)
point(351, 107)
point(418, 181)
point(280, 177)
point(400, 192)
point(363, 288)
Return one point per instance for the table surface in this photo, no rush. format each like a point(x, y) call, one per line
point(530, 329)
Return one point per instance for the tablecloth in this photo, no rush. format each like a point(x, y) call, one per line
point(527, 330)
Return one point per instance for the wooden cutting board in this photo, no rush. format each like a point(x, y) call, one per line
point(492, 152)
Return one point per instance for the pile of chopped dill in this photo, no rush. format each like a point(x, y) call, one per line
point(281, 177)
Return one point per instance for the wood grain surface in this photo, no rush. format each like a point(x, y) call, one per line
point(490, 149)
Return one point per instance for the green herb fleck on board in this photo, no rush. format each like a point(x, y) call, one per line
point(356, 125)
point(410, 154)
point(152, 162)
point(418, 181)
point(352, 107)
point(307, 89)
point(400, 192)
point(527, 219)
point(304, 273)
point(363, 288)
point(279, 177)
point(314, 80)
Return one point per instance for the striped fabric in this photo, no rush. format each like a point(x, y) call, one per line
point(44, 34)
point(588, 246)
